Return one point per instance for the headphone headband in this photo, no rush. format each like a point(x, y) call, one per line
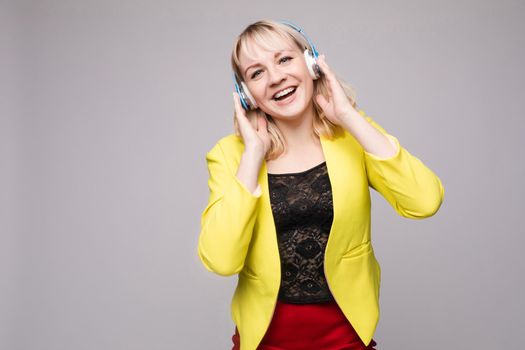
point(301, 31)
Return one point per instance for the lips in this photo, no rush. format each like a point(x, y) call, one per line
point(287, 99)
point(288, 87)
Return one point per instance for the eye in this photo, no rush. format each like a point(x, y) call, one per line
point(282, 60)
point(254, 75)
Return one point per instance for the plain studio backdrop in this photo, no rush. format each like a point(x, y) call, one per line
point(109, 107)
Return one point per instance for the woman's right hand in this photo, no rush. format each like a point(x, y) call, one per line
point(256, 140)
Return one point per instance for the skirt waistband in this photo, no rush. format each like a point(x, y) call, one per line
point(309, 326)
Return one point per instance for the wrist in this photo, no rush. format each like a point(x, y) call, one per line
point(253, 154)
point(349, 118)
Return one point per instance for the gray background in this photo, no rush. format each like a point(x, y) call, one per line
point(107, 111)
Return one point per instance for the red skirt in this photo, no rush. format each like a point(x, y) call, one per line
point(321, 326)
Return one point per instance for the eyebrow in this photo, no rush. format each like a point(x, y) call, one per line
point(257, 64)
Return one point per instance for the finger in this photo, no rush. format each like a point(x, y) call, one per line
point(239, 111)
point(328, 74)
point(237, 103)
point(334, 86)
point(240, 114)
point(325, 68)
point(262, 131)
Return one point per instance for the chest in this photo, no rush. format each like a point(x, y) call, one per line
point(301, 198)
point(297, 161)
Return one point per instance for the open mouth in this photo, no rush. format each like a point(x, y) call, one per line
point(286, 93)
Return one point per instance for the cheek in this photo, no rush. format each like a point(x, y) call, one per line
point(305, 77)
point(257, 90)
point(309, 88)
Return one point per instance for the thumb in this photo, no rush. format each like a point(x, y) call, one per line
point(261, 123)
point(321, 100)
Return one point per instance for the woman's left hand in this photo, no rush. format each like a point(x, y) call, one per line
point(337, 106)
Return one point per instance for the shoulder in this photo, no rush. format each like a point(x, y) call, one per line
point(230, 147)
point(229, 142)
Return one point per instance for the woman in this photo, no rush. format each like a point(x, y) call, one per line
point(289, 205)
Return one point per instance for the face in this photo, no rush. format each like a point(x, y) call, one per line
point(270, 72)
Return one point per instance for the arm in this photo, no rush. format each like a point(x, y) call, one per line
point(410, 187)
point(228, 220)
point(406, 183)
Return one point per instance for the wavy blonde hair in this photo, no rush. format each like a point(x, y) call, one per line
point(266, 34)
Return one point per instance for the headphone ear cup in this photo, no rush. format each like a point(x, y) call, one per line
point(250, 101)
point(311, 64)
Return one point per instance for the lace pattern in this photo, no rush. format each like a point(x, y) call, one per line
point(303, 212)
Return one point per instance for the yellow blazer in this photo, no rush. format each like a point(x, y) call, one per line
point(238, 232)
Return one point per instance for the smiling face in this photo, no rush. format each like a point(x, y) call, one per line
point(278, 79)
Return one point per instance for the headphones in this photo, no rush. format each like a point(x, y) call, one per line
point(310, 56)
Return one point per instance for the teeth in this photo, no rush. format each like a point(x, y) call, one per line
point(284, 92)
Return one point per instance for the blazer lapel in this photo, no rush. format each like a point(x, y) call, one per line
point(344, 164)
point(349, 192)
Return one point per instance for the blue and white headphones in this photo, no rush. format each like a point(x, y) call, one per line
point(310, 56)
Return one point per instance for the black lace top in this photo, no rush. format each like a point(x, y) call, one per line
point(303, 211)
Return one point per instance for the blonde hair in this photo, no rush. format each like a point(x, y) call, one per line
point(264, 33)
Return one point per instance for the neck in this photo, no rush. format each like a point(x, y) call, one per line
point(298, 132)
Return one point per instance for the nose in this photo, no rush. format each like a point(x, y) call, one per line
point(275, 76)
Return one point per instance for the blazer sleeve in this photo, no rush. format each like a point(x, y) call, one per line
point(410, 187)
point(228, 220)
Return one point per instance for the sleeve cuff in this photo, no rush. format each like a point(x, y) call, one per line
point(258, 191)
point(256, 194)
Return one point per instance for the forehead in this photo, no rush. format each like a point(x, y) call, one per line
point(255, 48)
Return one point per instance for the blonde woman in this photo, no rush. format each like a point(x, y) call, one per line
point(289, 204)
